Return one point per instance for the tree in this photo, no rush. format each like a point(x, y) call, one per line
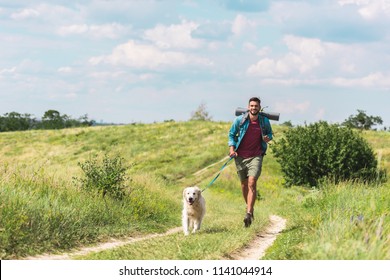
point(14, 121)
point(84, 121)
point(53, 120)
point(362, 121)
point(201, 114)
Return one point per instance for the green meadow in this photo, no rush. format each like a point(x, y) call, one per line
point(44, 210)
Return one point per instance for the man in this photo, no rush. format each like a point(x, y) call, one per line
point(248, 138)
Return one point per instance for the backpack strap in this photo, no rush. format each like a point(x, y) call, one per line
point(262, 125)
point(244, 117)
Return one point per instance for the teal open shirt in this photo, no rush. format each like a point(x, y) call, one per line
point(235, 128)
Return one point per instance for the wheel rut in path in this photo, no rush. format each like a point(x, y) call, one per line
point(101, 247)
point(257, 247)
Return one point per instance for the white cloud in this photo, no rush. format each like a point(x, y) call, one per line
point(375, 80)
point(7, 71)
point(304, 55)
point(139, 55)
point(112, 30)
point(292, 107)
point(107, 75)
point(369, 9)
point(268, 67)
point(173, 36)
point(53, 14)
point(213, 30)
point(241, 24)
point(65, 70)
point(293, 81)
point(25, 14)
point(73, 29)
point(314, 62)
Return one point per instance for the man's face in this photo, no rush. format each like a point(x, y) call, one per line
point(254, 107)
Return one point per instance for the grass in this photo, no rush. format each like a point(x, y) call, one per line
point(355, 224)
point(41, 216)
point(43, 211)
point(347, 221)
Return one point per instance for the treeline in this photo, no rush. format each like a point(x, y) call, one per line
point(51, 119)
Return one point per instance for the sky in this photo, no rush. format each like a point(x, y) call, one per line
point(125, 61)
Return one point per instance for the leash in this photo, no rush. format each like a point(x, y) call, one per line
point(219, 173)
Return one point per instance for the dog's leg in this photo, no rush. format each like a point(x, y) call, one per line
point(185, 223)
point(185, 227)
point(197, 224)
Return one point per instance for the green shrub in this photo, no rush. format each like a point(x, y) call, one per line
point(311, 153)
point(106, 177)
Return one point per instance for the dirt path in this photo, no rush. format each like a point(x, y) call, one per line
point(101, 247)
point(258, 246)
point(255, 251)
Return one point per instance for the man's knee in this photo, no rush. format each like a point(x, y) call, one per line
point(252, 181)
point(244, 183)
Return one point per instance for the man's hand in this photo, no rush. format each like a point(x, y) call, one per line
point(232, 153)
point(266, 139)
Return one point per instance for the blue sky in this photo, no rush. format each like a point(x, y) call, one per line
point(128, 61)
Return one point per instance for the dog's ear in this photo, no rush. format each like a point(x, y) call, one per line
point(184, 192)
point(198, 190)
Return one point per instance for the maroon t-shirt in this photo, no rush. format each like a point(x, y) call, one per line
point(250, 145)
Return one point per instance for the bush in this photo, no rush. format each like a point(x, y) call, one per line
point(312, 153)
point(107, 177)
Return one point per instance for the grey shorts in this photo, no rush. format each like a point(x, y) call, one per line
point(249, 167)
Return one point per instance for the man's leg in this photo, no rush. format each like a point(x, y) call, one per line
point(244, 188)
point(251, 196)
point(249, 192)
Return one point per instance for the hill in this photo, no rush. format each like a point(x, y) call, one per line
point(43, 210)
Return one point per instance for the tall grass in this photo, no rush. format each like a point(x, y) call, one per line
point(344, 221)
point(355, 223)
point(40, 216)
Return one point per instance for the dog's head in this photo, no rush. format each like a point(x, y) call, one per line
point(191, 194)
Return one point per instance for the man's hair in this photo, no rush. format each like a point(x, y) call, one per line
point(256, 99)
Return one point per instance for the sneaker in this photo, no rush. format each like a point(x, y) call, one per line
point(248, 219)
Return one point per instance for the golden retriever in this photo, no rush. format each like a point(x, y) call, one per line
point(194, 209)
